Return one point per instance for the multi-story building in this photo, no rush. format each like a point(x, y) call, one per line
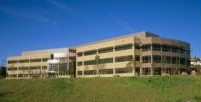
point(42, 63)
point(141, 53)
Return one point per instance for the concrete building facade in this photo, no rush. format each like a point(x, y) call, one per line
point(136, 54)
point(41, 63)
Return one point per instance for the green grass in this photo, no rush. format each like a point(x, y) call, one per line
point(117, 89)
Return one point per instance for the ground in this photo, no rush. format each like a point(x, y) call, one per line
point(117, 89)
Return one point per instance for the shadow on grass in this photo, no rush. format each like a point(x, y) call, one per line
point(5, 93)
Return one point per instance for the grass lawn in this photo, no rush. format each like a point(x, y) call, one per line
point(117, 89)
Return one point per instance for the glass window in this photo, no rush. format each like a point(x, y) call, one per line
point(156, 47)
point(35, 60)
point(123, 47)
point(106, 60)
point(166, 48)
point(90, 62)
point(123, 70)
point(12, 61)
point(79, 73)
point(137, 57)
point(106, 71)
point(146, 59)
point(90, 72)
point(157, 58)
point(24, 61)
point(146, 47)
point(79, 63)
point(124, 58)
point(105, 50)
point(91, 52)
point(79, 54)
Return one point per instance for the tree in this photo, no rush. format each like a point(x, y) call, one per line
point(2, 72)
point(131, 64)
point(98, 65)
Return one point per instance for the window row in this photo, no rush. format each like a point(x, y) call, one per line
point(107, 49)
point(27, 68)
point(166, 59)
point(165, 48)
point(105, 71)
point(27, 60)
point(109, 60)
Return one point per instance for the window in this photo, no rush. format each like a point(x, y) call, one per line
point(166, 59)
point(175, 49)
point(105, 50)
point(12, 68)
point(146, 71)
point(35, 60)
point(106, 60)
point(123, 47)
point(90, 62)
point(137, 57)
point(156, 58)
point(156, 47)
point(45, 59)
point(146, 47)
point(123, 70)
point(146, 59)
point(44, 67)
point(90, 72)
point(182, 50)
point(106, 71)
point(35, 68)
point(79, 72)
point(79, 63)
point(91, 52)
point(182, 61)
point(24, 61)
point(23, 68)
point(137, 46)
point(79, 54)
point(166, 48)
point(12, 61)
point(175, 60)
point(124, 58)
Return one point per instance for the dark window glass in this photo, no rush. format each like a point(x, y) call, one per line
point(157, 58)
point(175, 49)
point(79, 54)
point(35, 60)
point(124, 58)
point(166, 59)
point(52, 56)
point(91, 52)
point(90, 72)
point(90, 62)
point(12, 68)
point(45, 59)
point(156, 47)
point(24, 61)
point(79, 72)
point(137, 46)
point(146, 47)
point(146, 59)
point(182, 50)
point(79, 63)
point(123, 70)
point(106, 71)
point(12, 61)
point(35, 68)
point(175, 60)
point(137, 58)
point(166, 48)
point(106, 60)
point(123, 47)
point(44, 67)
point(105, 50)
point(23, 68)
point(182, 61)
point(146, 71)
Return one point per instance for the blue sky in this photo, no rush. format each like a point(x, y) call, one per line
point(40, 24)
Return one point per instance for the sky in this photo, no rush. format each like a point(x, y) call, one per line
point(42, 24)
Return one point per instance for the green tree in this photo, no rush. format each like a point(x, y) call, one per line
point(131, 65)
point(98, 65)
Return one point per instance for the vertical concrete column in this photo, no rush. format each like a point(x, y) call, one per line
point(151, 60)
